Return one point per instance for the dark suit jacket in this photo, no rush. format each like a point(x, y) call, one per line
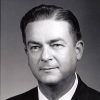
point(83, 92)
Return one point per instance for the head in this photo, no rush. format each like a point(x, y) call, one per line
point(52, 41)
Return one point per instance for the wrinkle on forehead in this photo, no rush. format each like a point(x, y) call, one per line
point(48, 30)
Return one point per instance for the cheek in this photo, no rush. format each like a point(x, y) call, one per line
point(66, 59)
point(32, 61)
point(64, 55)
point(33, 58)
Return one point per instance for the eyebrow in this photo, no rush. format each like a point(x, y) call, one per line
point(34, 42)
point(49, 42)
point(56, 40)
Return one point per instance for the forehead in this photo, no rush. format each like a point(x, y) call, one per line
point(48, 29)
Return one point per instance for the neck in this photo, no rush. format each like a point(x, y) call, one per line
point(53, 92)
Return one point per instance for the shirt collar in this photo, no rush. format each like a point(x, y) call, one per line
point(68, 95)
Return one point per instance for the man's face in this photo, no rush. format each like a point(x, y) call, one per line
point(50, 49)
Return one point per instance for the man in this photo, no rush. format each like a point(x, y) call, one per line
point(53, 44)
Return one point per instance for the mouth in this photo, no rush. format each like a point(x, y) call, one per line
point(48, 68)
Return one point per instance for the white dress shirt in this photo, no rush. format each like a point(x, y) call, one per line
point(68, 95)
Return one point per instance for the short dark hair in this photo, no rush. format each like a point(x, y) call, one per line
point(50, 11)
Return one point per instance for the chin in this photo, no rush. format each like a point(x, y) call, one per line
point(51, 80)
point(50, 83)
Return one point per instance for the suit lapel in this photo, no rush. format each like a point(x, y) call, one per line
point(35, 94)
point(81, 91)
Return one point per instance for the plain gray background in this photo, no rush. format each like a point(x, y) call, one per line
point(15, 74)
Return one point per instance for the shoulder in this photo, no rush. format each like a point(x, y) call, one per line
point(93, 94)
point(29, 95)
point(84, 92)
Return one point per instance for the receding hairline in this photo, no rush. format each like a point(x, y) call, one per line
point(44, 12)
point(53, 18)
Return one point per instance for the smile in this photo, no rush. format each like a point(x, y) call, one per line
point(46, 68)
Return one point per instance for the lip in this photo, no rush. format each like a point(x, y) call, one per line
point(48, 68)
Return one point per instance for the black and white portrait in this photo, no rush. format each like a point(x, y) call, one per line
point(50, 50)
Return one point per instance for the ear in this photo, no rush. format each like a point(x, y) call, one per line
point(79, 49)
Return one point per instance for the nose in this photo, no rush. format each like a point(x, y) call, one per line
point(46, 55)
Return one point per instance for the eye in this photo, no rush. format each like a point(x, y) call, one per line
point(35, 48)
point(57, 45)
